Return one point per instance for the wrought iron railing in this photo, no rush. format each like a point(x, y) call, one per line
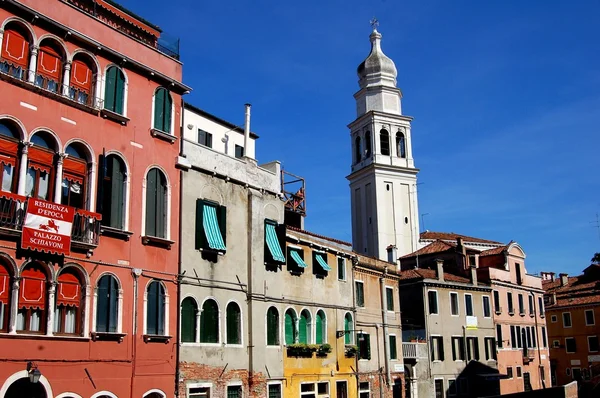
point(12, 211)
point(86, 228)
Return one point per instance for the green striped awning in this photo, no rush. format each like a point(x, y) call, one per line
point(296, 256)
point(273, 243)
point(322, 262)
point(211, 228)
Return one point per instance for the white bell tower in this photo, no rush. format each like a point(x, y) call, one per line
point(383, 180)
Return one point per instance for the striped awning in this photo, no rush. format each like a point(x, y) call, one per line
point(296, 256)
point(273, 243)
point(211, 228)
point(322, 262)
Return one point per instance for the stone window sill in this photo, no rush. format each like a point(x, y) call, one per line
point(153, 338)
point(115, 117)
point(115, 233)
point(108, 336)
point(163, 135)
point(158, 242)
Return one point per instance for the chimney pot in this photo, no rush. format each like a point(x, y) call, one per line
point(564, 279)
point(440, 269)
point(474, 275)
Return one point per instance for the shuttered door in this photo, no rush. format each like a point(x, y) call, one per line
point(319, 328)
point(161, 205)
point(188, 320)
point(119, 92)
point(289, 329)
point(347, 328)
point(151, 202)
point(160, 327)
point(102, 305)
point(302, 335)
point(109, 92)
point(209, 323)
point(167, 113)
point(117, 194)
point(233, 324)
point(152, 309)
point(159, 106)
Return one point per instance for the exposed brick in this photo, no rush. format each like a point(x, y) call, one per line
point(254, 385)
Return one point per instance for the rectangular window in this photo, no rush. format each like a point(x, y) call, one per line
point(437, 348)
point(589, 318)
point(553, 319)
point(274, 390)
point(198, 392)
point(364, 346)
point(530, 305)
point(487, 312)
point(308, 390)
point(509, 372)
point(295, 260)
point(211, 231)
point(274, 245)
point(509, 298)
point(341, 263)
point(469, 305)
point(570, 345)
point(518, 271)
point(458, 348)
point(454, 303)
point(204, 138)
point(519, 336)
point(239, 151)
point(541, 306)
point(567, 319)
point(319, 263)
point(439, 388)
point(593, 343)
point(364, 390)
point(519, 372)
point(323, 389)
point(393, 349)
point(521, 305)
point(472, 348)
point(389, 295)
point(432, 301)
point(234, 391)
point(452, 387)
point(499, 335)
point(490, 348)
point(513, 337)
point(544, 338)
point(341, 389)
point(555, 344)
point(360, 294)
point(497, 308)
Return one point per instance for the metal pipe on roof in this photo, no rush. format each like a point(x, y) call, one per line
point(247, 130)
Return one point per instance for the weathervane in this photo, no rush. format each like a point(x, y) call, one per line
point(374, 23)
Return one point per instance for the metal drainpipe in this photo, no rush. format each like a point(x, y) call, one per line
point(386, 348)
point(537, 338)
point(249, 293)
point(136, 272)
point(179, 262)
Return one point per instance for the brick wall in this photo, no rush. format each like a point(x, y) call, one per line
point(254, 386)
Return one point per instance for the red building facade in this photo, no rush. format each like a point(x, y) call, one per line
point(89, 104)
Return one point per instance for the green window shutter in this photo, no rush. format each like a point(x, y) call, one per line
point(272, 326)
point(393, 352)
point(102, 306)
point(289, 329)
point(233, 324)
point(188, 320)
point(390, 299)
point(160, 322)
point(302, 337)
point(119, 92)
point(368, 344)
point(200, 235)
point(159, 109)
point(113, 304)
point(347, 328)
point(222, 217)
point(209, 322)
point(109, 92)
point(161, 205)
point(151, 208)
point(152, 309)
point(319, 328)
point(167, 113)
point(209, 140)
point(117, 194)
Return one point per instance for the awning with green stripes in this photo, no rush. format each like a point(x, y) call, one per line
point(296, 256)
point(322, 262)
point(211, 228)
point(273, 243)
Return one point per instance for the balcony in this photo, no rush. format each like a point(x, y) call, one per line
point(528, 355)
point(85, 232)
point(414, 350)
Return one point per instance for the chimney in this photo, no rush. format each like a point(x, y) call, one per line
point(547, 276)
point(392, 253)
point(474, 275)
point(440, 269)
point(564, 279)
point(247, 130)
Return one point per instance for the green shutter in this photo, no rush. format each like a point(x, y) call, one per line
point(167, 113)
point(160, 299)
point(289, 329)
point(117, 183)
point(272, 327)
point(393, 352)
point(161, 205)
point(319, 328)
point(113, 306)
point(188, 320)
point(159, 109)
point(209, 322)
point(152, 310)
point(347, 328)
point(233, 324)
point(119, 92)
point(200, 235)
point(302, 326)
point(222, 217)
point(102, 305)
point(368, 344)
point(152, 181)
point(109, 92)
point(390, 299)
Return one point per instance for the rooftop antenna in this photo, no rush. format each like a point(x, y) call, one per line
point(423, 221)
point(596, 225)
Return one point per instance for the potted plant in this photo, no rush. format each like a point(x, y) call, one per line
point(351, 351)
point(323, 350)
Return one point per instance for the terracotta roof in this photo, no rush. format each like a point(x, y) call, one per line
point(580, 290)
point(341, 242)
point(435, 247)
point(494, 251)
point(453, 236)
point(425, 273)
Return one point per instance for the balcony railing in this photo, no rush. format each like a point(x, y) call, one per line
point(414, 350)
point(85, 232)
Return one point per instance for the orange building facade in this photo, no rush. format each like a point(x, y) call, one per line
point(88, 140)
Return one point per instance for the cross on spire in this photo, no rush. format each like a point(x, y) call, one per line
point(374, 23)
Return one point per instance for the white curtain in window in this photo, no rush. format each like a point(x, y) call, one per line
point(70, 320)
point(29, 182)
point(57, 319)
point(7, 177)
point(43, 188)
point(2, 306)
point(21, 320)
point(34, 321)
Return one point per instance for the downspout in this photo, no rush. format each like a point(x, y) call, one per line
point(354, 320)
point(249, 293)
point(136, 272)
point(179, 260)
point(379, 372)
point(428, 338)
point(386, 347)
point(537, 339)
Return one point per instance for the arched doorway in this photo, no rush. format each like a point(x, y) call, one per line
point(23, 388)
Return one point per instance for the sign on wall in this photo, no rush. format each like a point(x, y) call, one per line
point(47, 227)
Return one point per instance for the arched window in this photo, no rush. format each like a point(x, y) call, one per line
point(9, 148)
point(272, 326)
point(107, 304)
point(15, 51)
point(83, 78)
point(321, 328)
point(357, 150)
point(31, 315)
point(155, 321)
point(68, 311)
point(291, 333)
point(5, 289)
point(50, 62)
point(114, 93)
point(400, 145)
point(189, 311)
point(40, 171)
point(113, 178)
point(209, 322)
point(234, 324)
point(348, 326)
point(304, 327)
point(367, 144)
point(156, 204)
point(384, 139)
point(162, 110)
point(74, 183)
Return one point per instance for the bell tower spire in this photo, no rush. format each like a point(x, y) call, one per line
point(383, 177)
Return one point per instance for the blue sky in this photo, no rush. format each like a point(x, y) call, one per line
point(505, 96)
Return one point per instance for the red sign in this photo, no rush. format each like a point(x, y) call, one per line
point(47, 227)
